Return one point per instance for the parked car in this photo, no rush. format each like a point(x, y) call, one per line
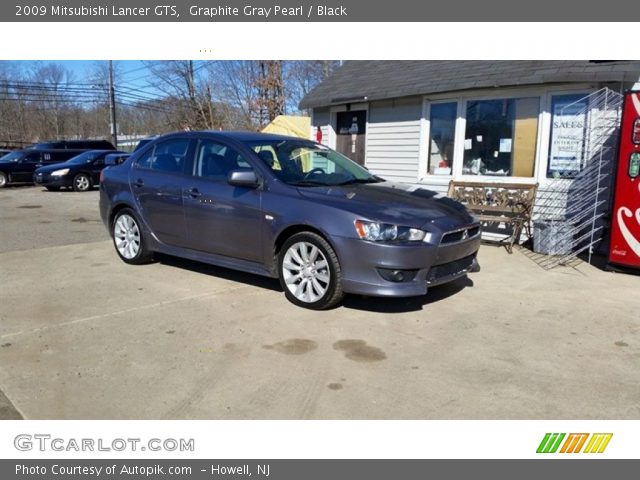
point(287, 208)
point(18, 166)
point(81, 172)
point(73, 145)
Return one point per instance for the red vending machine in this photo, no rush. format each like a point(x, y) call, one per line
point(625, 234)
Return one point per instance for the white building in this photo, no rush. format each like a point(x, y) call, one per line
point(427, 122)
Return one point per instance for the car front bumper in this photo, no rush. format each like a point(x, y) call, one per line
point(427, 265)
point(46, 180)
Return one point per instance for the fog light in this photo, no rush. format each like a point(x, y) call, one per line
point(397, 276)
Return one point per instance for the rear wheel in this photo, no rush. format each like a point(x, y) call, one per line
point(310, 273)
point(3, 180)
point(81, 182)
point(128, 238)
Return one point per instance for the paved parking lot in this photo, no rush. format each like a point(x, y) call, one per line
point(83, 335)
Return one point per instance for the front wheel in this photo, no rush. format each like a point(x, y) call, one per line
point(310, 273)
point(3, 180)
point(128, 238)
point(81, 182)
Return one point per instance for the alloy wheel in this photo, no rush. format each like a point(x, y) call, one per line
point(127, 236)
point(306, 272)
point(82, 183)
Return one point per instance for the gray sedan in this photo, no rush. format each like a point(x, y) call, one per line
point(286, 208)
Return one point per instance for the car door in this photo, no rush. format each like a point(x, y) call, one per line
point(26, 166)
point(157, 179)
point(221, 218)
point(96, 167)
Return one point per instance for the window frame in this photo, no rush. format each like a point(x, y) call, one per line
point(191, 170)
point(188, 157)
point(426, 127)
point(543, 136)
point(518, 96)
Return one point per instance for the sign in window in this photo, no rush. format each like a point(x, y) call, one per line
point(567, 145)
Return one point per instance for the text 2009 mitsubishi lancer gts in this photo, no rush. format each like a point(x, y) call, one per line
point(287, 208)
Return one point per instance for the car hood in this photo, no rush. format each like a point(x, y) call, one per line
point(53, 167)
point(395, 203)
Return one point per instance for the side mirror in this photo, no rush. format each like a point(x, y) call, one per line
point(243, 178)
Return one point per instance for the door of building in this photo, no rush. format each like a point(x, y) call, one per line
point(351, 130)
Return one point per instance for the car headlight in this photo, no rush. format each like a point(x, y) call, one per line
point(384, 232)
point(59, 173)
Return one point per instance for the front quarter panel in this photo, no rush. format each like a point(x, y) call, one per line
point(285, 209)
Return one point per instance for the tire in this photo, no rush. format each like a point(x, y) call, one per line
point(53, 189)
point(309, 272)
point(82, 182)
point(128, 238)
point(4, 180)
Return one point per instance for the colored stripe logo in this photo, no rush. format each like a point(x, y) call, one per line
point(574, 443)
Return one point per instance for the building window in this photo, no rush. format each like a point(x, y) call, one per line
point(501, 137)
point(566, 148)
point(442, 129)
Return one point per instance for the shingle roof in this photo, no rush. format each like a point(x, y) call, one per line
point(377, 80)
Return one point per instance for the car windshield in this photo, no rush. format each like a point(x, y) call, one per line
point(86, 157)
point(11, 157)
point(304, 164)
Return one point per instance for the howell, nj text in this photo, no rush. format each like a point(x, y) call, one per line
point(243, 470)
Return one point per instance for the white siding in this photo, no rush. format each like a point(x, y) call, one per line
point(393, 149)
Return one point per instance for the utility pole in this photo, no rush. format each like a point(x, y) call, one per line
point(112, 107)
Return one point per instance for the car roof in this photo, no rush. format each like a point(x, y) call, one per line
point(102, 150)
point(244, 136)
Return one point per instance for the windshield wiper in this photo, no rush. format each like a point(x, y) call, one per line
point(307, 183)
point(360, 180)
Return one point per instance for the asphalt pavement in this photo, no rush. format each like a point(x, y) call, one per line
point(85, 336)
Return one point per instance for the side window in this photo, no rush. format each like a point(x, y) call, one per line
point(215, 160)
point(33, 157)
point(59, 156)
point(167, 156)
point(144, 161)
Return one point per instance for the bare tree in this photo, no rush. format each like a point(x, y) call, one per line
point(302, 76)
point(44, 101)
point(188, 91)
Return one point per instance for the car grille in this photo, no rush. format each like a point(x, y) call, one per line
point(460, 235)
point(439, 272)
point(41, 177)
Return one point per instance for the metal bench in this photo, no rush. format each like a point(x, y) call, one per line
point(493, 202)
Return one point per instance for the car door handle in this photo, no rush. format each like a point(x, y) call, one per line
point(138, 183)
point(194, 193)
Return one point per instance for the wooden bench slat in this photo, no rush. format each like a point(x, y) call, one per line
point(513, 203)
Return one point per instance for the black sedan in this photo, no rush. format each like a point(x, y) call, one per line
point(80, 173)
